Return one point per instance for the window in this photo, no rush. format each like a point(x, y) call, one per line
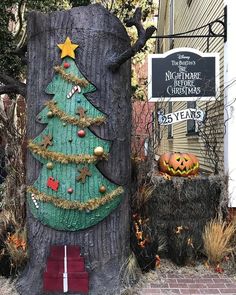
point(170, 127)
point(191, 124)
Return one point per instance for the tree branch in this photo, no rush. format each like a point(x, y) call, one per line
point(20, 13)
point(21, 52)
point(5, 79)
point(143, 35)
point(11, 85)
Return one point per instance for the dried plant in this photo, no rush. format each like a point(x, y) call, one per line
point(7, 217)
point(130, 271)
point(233, 220)
point(16, 248)
point(13, 252)
point(7, 224)
point(12, 133)
point(146, 193)
point(162, 244)
point(143, 194)
point(217, 240)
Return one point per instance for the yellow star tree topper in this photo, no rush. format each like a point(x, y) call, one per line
point(67, 48)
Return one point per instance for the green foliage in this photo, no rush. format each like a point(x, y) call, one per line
point(46, 5)
point(9, 63)
point(12, 11)
point(75, 3)
point(124, 9)
point(13, 23)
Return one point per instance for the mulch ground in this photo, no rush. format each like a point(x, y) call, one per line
point(189, 284)
point(171, 279)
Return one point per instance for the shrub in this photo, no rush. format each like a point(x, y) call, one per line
point(217, 240)
point(16, 248)
point(181, 246)
point(130, 271)
point(13, 250)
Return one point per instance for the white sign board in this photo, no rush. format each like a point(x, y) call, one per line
point(188, 114)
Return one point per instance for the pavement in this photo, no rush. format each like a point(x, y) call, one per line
point(191, 284)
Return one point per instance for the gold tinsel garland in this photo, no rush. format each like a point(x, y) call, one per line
point(62, 158)
point(69, 77)
point(75, 205)
point(83, 122)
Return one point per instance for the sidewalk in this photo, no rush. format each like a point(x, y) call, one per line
point(191, 284)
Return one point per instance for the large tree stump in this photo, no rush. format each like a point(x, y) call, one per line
point(100, 36)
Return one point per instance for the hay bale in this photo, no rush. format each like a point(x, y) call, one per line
point(184, 202)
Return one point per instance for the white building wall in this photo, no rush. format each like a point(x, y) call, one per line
point(230, 101)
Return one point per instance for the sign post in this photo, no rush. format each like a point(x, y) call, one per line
point(183, 74)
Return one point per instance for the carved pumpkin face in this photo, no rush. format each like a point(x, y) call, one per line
point(195, 167)
point(163, 162)
point(179, 164)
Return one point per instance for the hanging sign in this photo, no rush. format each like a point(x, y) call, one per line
point(183, 74)
point(188, 114)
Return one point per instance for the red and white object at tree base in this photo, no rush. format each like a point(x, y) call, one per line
point(65, 271)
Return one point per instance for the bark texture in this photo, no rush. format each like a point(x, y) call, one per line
point(100, 35)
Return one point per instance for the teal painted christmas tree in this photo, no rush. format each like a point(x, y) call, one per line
point(70, 192)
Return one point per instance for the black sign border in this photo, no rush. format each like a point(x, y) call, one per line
point(184, 98)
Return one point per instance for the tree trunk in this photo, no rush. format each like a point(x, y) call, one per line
point(100, 36)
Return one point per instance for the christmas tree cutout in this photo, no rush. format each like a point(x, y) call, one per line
point(70, 192)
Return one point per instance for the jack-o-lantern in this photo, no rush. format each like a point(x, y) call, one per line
point(179, 164)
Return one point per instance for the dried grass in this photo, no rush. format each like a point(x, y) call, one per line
point(7, 217)
point(162, 244)
point(7, 287)
point(13, 254)
point(16, 248)
point(217, 240)
point(143, 194)
point(130, 271)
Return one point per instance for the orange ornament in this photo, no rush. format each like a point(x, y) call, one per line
point(142, 244)
point(102, 189)
point(139, 235)
point(158, 261)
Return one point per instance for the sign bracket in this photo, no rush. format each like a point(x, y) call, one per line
point(222, 21)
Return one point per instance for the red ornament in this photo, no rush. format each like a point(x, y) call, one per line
point(81, 133)
point(70, 190)
point(66, 65)
point(52, 183)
